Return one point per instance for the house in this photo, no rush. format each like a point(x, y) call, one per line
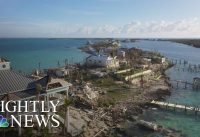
point(163, 60)
point(4, 64)
point(61, 72)
point(102, 61)
point(20, 87)
point(57, 72)
point(17, 87)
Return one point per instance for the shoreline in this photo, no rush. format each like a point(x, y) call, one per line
point(190, 42)
point(158, 91)
point(134, 106)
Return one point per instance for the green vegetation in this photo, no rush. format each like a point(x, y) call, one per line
point(191, 42)
point(109, 84)
point(156, 60)
point(112, 97)
point(101, 45)
point(106, 102)
point(104, 82)
point(115, 91)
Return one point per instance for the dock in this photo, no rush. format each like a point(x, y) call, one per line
point(195, 86)
point(183, 65)
point(186, 83)
point(168, 105)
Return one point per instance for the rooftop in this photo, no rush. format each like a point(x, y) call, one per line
point(100, 57)
point(3, 60)
point(11, 81)
point(19, 86)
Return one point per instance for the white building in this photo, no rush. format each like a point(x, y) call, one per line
point(58, 72)
point(102, 61)
point(61, 72)
point(4, 64)
point(163, 60)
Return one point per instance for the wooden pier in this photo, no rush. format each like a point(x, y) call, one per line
point(168, 105)
point(195, 86)
point(185, 83)
point(180, 61)
point(183, 65)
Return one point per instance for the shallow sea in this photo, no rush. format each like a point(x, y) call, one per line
point(25, 55)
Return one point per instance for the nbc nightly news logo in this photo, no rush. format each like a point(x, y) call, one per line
point(3, 122)
point(28, 113)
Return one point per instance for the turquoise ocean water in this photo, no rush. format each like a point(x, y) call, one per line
point(188, 124)
point(25, 54)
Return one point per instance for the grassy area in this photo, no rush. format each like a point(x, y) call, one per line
point(111, 98)
point(115, 92)
point(105, 82)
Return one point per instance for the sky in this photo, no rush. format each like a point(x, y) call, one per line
point(100, 18)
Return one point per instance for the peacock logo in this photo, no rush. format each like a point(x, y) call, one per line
point(3, 122)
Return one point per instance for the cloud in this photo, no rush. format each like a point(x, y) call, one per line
point(179, 28)
point(189, 27)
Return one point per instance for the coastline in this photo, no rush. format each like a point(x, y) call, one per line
point(126, 102)
point(190, 42)
point(136, 107)
point(133, 106)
